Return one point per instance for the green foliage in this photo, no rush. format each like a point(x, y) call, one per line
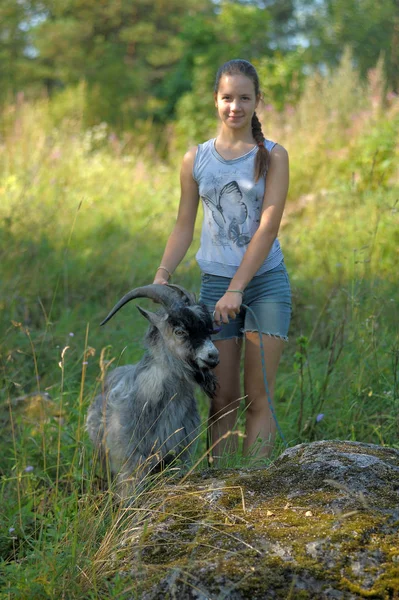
point(370, 28)
point(282, 78)
point(335, 122)
point(136, 58)
point(14, 39)
point(139, 58)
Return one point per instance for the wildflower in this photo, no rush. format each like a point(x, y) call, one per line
point(85, 362)
point(11, 530)
point(319, 417)
point(29, 469)
point(71, 334)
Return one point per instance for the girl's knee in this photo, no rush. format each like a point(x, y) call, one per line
point(259, 404)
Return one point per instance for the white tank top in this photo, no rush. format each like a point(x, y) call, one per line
point(232, 204)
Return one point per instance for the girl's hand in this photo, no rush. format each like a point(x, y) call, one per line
point(162, 275)
point(159, 278)
point(227, 307)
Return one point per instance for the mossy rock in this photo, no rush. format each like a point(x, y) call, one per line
point(320, 522)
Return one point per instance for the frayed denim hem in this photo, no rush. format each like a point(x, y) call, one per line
point(277, 336)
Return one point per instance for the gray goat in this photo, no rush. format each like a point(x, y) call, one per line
point(147, 413)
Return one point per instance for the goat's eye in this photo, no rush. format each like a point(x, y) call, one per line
point(179, 332)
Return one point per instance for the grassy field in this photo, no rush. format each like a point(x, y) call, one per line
point(84, 216)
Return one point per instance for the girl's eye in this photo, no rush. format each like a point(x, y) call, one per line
point(179, 332)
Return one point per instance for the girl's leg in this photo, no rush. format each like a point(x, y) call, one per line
point(260, 425)
point(224, 407)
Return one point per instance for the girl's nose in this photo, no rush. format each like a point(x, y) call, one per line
point(235, 105)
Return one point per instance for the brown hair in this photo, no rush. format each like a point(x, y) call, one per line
point(239, 66)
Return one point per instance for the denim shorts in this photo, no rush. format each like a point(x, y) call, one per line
point(267, 295)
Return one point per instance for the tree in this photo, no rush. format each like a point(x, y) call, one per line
point(138, 57)
point(16, 51)
point(370, 28)
point(122, 49)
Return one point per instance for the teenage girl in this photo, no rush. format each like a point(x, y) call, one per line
point(242, 180)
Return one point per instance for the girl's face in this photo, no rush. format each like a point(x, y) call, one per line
point(236, 101)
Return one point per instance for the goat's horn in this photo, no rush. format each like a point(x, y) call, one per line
point(188, 297)
point(163, 294)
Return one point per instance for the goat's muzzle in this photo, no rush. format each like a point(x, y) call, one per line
point(212, 363)
point(209, 357)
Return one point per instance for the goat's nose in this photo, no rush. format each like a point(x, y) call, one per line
point(213, 356)
point(208, 355)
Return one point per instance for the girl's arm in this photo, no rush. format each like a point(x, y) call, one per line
point(182, 234)
point(262, 241)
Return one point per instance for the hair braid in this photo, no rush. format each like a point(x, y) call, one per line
point(262, 157)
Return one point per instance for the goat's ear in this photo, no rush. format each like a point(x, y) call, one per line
point(153, 318)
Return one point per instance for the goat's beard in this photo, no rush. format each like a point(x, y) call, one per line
point(207, 381)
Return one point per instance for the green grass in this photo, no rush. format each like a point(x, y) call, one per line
point(84, 218)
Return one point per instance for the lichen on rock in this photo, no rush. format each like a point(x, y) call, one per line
point(320, 522)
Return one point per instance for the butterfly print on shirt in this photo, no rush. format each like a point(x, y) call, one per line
point(229, 212)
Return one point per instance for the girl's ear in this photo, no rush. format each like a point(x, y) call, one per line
point(215, 98)
point(258, 99)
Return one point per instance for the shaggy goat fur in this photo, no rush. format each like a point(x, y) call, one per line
point(147, 412)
